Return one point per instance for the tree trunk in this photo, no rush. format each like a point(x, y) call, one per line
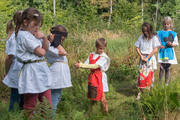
point(78, 3)
point(54, 7)
point(142, 10)
point(157, 9)
point(110, 12)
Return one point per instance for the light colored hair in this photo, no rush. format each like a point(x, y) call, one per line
point(10, 27)
point(168, 19)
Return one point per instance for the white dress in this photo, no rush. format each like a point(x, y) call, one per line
point(174, 61)
point(11, 79)
point(147, 46)
point(34, 77)
point(104, 63)
point(59, 69)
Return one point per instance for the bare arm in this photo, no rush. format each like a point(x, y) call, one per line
point(39, 51)
point(138, 51)
point(62, 51)
point(173, 45)
point(45, 44)
point(151, 54)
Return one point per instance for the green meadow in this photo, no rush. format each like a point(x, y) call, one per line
point(162, 102)
point(86, 21)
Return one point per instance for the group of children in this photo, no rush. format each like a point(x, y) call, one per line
point(27, 48)
point(27, 73)
point(147, 45)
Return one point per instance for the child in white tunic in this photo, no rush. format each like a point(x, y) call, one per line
point(35, 78)
point(56, 57)
point(166, 54)
point(12, 65)
point(98, 62)
point(146, 46)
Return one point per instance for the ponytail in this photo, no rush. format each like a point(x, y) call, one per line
point(18, 26)
point(9, 28)
point(30, 14)
point(17, 21)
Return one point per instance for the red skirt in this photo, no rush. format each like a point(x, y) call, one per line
point(95, 86)
point(145, 77)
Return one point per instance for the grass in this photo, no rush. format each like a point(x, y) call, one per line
point(122, 76)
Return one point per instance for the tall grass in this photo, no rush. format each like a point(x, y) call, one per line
point(122, 76)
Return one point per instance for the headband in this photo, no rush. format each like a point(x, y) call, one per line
point(60, 33)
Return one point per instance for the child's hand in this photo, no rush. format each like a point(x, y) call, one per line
point(77, 65)
point(162, 47)
point(39, 35)
point(142, 57)
point(169, 43)
point(3, 76)
point(145, 59)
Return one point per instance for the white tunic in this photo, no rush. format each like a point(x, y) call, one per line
point(147, 46)
point(11, 79)
point(104, 63)
point(34, 77)
point(174, 61)
point(59, 69)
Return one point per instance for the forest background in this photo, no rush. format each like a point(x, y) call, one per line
point(119, 22)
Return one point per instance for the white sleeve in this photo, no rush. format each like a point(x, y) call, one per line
point(137, 44)
point(102, 61)
point(176, 41)
point(53, 51)
point(87, 60)
point(156, 42)
point(31, 43)
point(11, 47)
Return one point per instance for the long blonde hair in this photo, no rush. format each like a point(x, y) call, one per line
point(10, 27)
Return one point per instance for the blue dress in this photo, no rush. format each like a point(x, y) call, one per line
point(165, 36)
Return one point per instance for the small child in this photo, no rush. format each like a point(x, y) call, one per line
point(12, 66)
point(166, 54)
point(98, 62)
point(35, 77)
point(56, 56)
point(146, 46)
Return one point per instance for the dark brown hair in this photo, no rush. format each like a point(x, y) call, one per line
point(101, 42)
point(149, 29)
point(30, 14)
point(58, 32)
point(59, 28)
point(10, 26)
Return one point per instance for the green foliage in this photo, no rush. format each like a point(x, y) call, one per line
point(43, 111)
point(161, 99)
point(85, 24)
point(126, 15)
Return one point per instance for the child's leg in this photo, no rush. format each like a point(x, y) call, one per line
point(161, 72)
point(167, 72)
point(55, 97)
point(45, 97)
point(21, 101)
point(30, 101)
point(104, 103)
point(14, 97)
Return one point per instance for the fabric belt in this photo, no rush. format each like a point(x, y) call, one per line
point(34, 61)
point(30, 62)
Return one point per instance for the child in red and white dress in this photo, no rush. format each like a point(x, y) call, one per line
point(98, 62)
point(146, 46)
